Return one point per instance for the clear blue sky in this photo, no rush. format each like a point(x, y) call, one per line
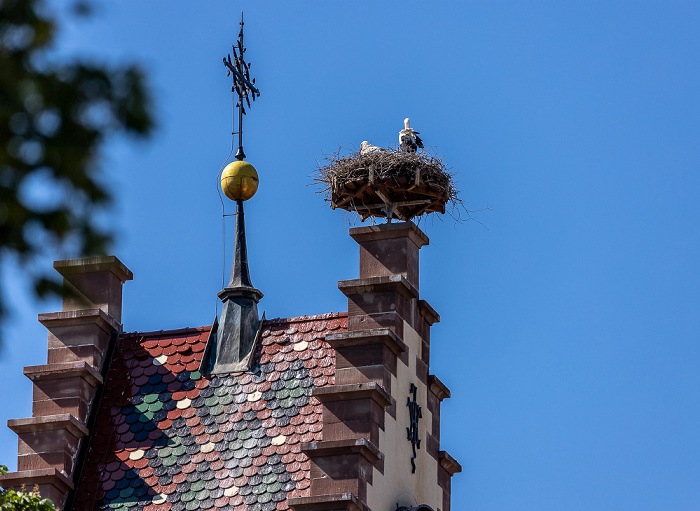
point(570, 325)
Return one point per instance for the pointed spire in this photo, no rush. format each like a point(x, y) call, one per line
point(240, 275)
point(232, 340)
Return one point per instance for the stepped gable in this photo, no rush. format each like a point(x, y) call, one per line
point(337, 412)
point(168, 438)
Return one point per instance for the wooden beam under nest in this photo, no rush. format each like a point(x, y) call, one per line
point(384, 198)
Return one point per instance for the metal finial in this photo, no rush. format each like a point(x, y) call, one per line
point(232, 339)
point(243, 85)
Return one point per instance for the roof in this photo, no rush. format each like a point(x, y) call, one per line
point(168, 438)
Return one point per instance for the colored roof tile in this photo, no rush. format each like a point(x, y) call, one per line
point(170, 439)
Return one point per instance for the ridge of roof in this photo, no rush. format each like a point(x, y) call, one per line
point(303, 319)
point(202, 329)
point(165, 333)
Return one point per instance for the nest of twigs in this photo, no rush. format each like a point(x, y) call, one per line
point(387, 183)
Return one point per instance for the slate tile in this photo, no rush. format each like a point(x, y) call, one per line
point(245, 462)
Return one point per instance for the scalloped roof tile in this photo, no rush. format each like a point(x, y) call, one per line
point(168, 438)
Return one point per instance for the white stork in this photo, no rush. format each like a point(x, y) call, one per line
point(409, 141)
point(367, 148)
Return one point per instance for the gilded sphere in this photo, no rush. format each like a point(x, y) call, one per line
point(239, 180)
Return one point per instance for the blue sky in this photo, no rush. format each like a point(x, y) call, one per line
point(570, 325)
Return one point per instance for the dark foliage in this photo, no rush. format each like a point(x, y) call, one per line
point(54, 118)
point(11, 500)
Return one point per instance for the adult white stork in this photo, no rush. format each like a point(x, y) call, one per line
point(367, 148)
point(409, 141)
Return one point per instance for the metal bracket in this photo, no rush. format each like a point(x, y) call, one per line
point(414, 411)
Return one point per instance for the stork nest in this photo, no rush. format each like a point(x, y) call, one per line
point(387, 183)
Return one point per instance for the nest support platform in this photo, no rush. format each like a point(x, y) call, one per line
point(388, 197)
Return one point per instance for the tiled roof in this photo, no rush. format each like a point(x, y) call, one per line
point(168, 438)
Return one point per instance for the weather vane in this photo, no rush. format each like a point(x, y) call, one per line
point(234, 336)
point(242, 84)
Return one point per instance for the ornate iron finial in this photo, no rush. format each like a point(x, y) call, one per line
point(243, 86)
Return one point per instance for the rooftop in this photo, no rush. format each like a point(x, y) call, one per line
point(169, 438)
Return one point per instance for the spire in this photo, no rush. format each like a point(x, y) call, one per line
point(240, 275)
point(232, 340)
point(233, 337)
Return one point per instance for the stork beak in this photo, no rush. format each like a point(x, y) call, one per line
point(407, 123)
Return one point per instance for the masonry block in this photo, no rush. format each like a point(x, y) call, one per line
point(353, 411)
point(333, 502)
point(367, 355)
point(94, 282)
point(343, 466)
point(51, 483)
point(78, 335)
point(390, 249)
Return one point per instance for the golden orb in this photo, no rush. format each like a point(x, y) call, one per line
point(239, 180)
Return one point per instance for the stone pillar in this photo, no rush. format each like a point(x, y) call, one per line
point(387, 291)
point(371, 357)
point(64, 388)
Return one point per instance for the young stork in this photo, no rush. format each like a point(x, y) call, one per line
point(409, 141)
point(367, 148)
